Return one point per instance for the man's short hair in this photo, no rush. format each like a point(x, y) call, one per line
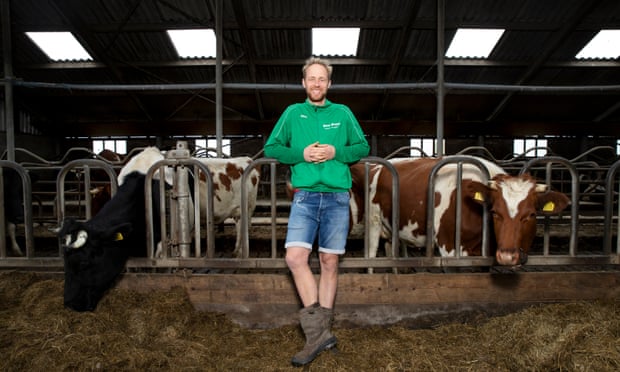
point(317, 61)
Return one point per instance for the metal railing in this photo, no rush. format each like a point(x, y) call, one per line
point(250, 258)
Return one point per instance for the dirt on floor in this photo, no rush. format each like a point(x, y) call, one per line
point(161, 331)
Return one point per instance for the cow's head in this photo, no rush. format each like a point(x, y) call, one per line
point(93, 259)
point(514, 203)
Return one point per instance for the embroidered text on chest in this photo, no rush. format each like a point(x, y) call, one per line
point(328, 126)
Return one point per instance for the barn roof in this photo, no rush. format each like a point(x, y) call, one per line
point(138, 85)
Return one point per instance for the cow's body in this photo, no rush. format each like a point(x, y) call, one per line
point(513, 203)
point(226, 174)
point(96, 251)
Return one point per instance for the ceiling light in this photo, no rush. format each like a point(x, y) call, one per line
point(335, 41)
point(59, 46)
point(195, 43)
point(605, 44)
point(473, 42)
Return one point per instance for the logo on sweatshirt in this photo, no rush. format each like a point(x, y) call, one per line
point(328, 126)
point(303, 116)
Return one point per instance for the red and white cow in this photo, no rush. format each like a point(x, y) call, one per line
point(226, 174)
point(101, 194)
point(514, 202)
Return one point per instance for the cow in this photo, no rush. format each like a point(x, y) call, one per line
point(96, 251)
point(101, 194)
point(226, 174)
point(513, 202)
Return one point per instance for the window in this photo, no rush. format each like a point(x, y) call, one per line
point(118, 146)
point(531, 147)
point(427, 145)
point(202, 144)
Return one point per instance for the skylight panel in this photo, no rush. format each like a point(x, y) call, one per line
point(474, 42)
point(335, 41)
point(606, 44)
point(60, 46)
point(195, 43)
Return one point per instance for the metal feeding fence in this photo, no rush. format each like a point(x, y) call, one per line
point(584, 235)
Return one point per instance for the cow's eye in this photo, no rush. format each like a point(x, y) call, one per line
point(530, 217)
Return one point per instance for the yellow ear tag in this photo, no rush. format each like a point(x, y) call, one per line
point(478, 196)
point(549, 207)
point(119, 236)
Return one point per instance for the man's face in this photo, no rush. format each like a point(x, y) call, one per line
point(316, 83)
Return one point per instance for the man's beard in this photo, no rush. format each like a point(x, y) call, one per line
point(321, 97)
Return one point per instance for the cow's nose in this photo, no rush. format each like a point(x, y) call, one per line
point(508, 257)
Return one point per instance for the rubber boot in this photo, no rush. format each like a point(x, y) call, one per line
point(316, 323)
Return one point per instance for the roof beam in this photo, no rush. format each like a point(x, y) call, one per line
point(249, 48)
point(336, 61)
point(607, 113)
point(559, 37)
point(193, 22)
point(82, 33)
point(401, 46)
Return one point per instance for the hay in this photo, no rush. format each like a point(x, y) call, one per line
point(161, 331)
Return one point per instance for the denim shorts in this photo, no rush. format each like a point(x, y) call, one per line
point(322, 214)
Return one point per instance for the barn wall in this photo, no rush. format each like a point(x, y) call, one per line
point(42, 146)
point(500, 147)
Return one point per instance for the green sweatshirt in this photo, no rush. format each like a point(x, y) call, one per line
point(302, 124)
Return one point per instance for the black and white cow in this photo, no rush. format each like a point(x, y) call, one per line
point(96, 251)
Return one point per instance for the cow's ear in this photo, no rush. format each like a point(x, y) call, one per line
point(118, 232)
point(476, 191)
point(552, 202)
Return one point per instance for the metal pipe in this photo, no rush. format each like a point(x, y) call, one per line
point(572, 247)
point(440, 92)
point(180, 214)
point(9, 118)
point(609, 202)
point(212, 86)
point(219, 15)
point(366, 87)
point(430, 202)
point(3, 251)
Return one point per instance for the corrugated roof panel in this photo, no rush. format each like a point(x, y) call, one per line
point(289, 43)
point(131, 35)
point(271, 10)
point(475, 13)
point(521, 45)
point(422, 45)
point(378, 43)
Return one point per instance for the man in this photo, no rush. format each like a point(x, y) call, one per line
point(319, 139)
